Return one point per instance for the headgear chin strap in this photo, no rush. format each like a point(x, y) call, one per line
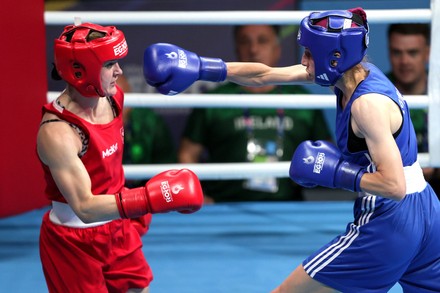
point(79, 60)
point(337, 40)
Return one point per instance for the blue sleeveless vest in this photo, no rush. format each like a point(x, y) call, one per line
point(375, 82)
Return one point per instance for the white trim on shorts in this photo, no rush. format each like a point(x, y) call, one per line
point(415, 182)
point(330, 253)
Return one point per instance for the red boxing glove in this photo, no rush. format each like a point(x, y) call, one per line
point(172, 190)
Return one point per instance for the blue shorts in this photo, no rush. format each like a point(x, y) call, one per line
point(388, 242)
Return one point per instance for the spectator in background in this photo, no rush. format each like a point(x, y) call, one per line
point(147, 138)
point(221, 135)
point(408, 48)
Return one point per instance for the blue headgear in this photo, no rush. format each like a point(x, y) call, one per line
point(337, 43)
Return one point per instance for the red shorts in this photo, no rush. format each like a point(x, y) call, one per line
point(105, 258)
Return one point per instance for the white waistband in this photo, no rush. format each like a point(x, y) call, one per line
point(415, 181)
point(62, 214)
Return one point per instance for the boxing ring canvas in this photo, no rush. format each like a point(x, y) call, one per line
point(240, 247)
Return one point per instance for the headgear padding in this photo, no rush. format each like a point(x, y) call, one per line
point(79, 60)
point(337, 40)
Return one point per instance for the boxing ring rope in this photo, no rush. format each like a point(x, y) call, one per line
point(221, 17)
point(297, 101)
point(276, 169)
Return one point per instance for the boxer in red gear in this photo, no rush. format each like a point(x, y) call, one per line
point(90, 240)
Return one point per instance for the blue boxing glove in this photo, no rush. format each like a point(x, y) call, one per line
point(172, 70)
point(321, 163)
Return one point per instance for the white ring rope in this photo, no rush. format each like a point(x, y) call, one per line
point(218, 171)
point(303, 101)
point(222, 171)
point(221, 17)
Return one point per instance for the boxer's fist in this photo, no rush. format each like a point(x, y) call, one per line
point(173, 190)
point(321, 163)
point(172, 70)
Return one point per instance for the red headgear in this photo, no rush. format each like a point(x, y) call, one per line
point(79, 60)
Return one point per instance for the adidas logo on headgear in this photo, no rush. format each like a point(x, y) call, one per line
point(323, 76)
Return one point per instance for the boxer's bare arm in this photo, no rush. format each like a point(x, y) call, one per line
point(258, 74)
point(58, 146)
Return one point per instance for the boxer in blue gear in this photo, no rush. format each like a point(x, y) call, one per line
point(395, 234)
